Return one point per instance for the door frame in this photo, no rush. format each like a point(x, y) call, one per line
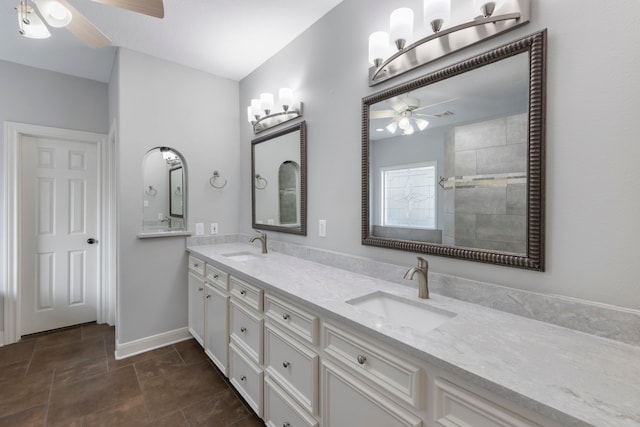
point(14, 132)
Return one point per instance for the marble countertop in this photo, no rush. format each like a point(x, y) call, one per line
point(571, 377)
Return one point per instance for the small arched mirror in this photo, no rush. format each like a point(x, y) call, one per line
point(164, 197)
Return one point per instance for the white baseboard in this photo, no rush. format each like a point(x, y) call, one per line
point(132, 348)
point(1, 338)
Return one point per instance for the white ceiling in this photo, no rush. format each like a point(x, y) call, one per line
point(228, 38)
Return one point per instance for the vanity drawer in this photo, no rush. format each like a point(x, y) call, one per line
point(217, 277)
point(371, 360)
point(246, 377)
point(196, 265)
point(281, 410)
point(246, 293)
point(459, 407)
point(293, 366)
point(246, 330)
point(299, 322)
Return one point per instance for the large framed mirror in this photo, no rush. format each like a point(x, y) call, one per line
point(279, 180)
point(453, 162)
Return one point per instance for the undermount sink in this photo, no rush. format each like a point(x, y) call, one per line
point(402, 311)
point(241, 256)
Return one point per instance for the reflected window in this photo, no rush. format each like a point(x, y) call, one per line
point(409, 196)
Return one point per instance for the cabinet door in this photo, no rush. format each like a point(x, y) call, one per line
point(217, 327)
point(349, 402)
point(196, 307)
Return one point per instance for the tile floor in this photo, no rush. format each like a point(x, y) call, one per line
point(70, 377)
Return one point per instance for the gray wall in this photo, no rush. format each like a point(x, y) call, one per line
point(165, 104)
point(591, 219)
point(34, 96)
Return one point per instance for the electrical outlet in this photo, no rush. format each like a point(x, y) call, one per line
point(199, 229)
point(146, 203)
point(322, 228)
point(214, 228)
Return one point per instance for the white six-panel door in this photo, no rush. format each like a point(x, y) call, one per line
point(59, 214)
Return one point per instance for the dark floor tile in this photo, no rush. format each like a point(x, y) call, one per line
point(175, 419)
point(190, 351)
point(79, 399)
point(30, 391)
point(222, 409)
point(158, 366)
point(14, 371)
point(18, 352)
point(181, 388)
point(92, 329)
point(249, 421)
point(66, 355)
point(116, 364)
point(32, 417)
point(65, 336)
point(131, 413)
point(80, 371)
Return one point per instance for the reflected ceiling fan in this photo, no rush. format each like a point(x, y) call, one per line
point(61, 14)
point(405, 114)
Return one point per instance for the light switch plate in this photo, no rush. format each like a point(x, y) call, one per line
point(199, 229)
point(214, 228)
point(322, 228)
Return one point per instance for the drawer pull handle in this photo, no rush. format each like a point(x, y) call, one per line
point(285, 316)
point(200, 289)
point(361, 359)
point(215, 276)
point(196, 265)
point(243, 329)
point(243, 378)
point(243, 292)
point(286, 424)
point(286, 364)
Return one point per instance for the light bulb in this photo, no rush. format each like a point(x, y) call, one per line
point(401, 26)
point(285, 96)
point(57, 15)
point(250, 117)
point(404, 123)
point(266, 102)
point(409, 130)
point(392, 127)
point(436, 14)
point(255, 108)
point(421, 123)
point(378, 47)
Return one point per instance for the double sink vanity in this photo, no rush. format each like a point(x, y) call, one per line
point(312, 345)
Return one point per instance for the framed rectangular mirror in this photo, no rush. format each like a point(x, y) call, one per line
point(453, 162)
point(176, 189)
point(279, 181)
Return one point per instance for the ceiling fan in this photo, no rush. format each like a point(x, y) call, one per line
point(61, 14)
point(405, 114)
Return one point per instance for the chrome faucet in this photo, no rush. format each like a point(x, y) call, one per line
point(263, 239)
point(423, 281)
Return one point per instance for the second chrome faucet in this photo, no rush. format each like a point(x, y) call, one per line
point(422, 270)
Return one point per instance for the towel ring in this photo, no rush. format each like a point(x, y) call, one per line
point(151, 192)
point(260, 179)
point(213, 180)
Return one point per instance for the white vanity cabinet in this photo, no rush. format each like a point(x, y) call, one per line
point(196, 299)
point(246, 347)
point(291, 363)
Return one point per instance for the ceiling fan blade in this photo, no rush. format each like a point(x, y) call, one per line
point(83, 29)
point(381, 114)
point(437, 103)
point(145, 7)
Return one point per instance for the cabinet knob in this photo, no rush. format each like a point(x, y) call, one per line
point(243, 292)
point(243, 329)
point(286, 424)
point(243, 378)
point(361, 359)
point(200, 289)
point(196, 265)
point(285, 316)
point(286, 364)
point(209, 296)
point(215, 276)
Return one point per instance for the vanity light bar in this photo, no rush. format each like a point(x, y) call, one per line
point(260, 112)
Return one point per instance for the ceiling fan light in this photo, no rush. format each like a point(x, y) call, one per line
point(404, 123)
point(30, 25)
point(422, 124)
point(392, 127)
point(57, 15)
point(409, 130)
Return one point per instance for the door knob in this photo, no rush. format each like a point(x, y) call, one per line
point(92, 241)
